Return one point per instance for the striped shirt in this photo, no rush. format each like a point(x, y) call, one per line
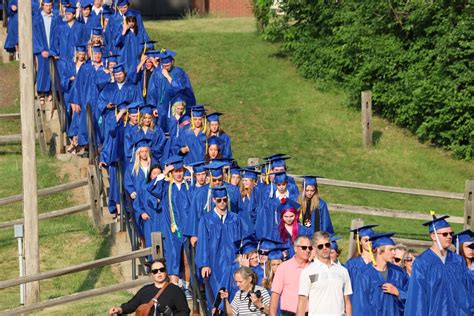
point(240, 303)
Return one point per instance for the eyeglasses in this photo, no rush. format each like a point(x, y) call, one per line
point(155, 271)
point(397, 260)
point(221, 200)
point(408, 259)
point(310, 248)
point(446, 234)
point(321, 246)
point(216, 179)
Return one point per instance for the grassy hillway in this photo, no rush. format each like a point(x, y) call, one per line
point(268, 108)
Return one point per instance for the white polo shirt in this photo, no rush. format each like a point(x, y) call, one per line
point(325, 286)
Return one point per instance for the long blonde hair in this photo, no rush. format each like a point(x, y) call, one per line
point(267, 282)
point(243, 191)
point(137, 162)
point(152, 124)
point(314, 202)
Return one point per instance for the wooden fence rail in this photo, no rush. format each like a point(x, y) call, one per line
point(52, 214)
point(10, 116)
point(47, 191)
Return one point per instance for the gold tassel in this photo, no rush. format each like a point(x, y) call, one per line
point(372, 258)
point(358, 243)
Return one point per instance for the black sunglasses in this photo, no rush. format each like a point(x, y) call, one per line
point(397, 260)
point(446, 234)
point(216, 179)
point(321, 246)
point(310, 248)
point(408, 259)
point(219, 200)
point(155, 271)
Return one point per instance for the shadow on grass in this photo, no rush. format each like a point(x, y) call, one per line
point(279, 54)
point(376, 136)
point(93, 276)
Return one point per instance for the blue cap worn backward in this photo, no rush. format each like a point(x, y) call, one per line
point(167, 56)
point(197, 110)
point(310, 180)
point(198, 167)
point(437, 223)
point(215, 168)
point(80, 49)
point(97, 31)
point(112, 58)
point(364, 230)
point(287, 204)
point(462, 237)
point(333, 241)
point(175, 161)
point(214, 117)
point(219, 192)
point(248, 173)
point(280, 177)
point(380, 240)
point(246, 245)
point(97, 49)
point(70, 10)
point(214, 140)
point(122, 3)
point(119, 68)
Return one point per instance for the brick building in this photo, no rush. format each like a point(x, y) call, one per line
point(227, 8)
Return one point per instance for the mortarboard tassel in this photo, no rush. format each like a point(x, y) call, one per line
point(102, 22)
point(434, 230)
point(169, 109)
point(358, 242)
point(144, 84)
point(372, 258)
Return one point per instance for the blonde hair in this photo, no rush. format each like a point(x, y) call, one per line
point(152, 124)
point(314, 202)
point(136, 164)
point(175, 105)
point(267, 282)
point(243, 191)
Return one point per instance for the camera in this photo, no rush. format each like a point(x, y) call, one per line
point(257, 293)
point(164, 310)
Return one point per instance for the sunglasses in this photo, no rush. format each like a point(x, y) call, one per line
point(216, 179)
point(220, 200)
point(397, 260)
point(155, 271)
point(263, 252)
point(321, 246)
point(310, 248)
point(446, 234)
point(408, 259)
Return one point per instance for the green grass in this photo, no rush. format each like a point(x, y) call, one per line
point(269, 108)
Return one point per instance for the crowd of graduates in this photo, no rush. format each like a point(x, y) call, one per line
point(180, 178)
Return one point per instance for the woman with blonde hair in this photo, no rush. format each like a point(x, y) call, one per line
point(314, 210)
point(249, 193)
point(148, 130)
point(134, 179)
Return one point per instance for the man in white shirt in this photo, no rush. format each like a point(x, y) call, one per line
point(324, 285)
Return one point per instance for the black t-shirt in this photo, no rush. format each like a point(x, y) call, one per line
point(173, 297)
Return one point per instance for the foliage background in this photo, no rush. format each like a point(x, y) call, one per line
point(415, 56)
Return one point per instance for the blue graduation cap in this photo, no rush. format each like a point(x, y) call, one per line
point(175, 161)
point(267, 244)
point(380, 240)
point(119, 68)
point(167, 56)
point(278, 162)
point(122, 3)
point(151, 53)
point(63, 2)
point(333, 241)
point(249, 173)
point(150, 45)
point(133, 108)
point(198, 167)
point(280, 177)
point(246, 245)
point(146, 109)
point(287, 204)
point(273, 156)
point(80, 49)
point(86, 3)
point(112, 58)
point(197, 110)
point(276, 253)
point(70, 10)
point(97, 49)
point(185, 118)
point(437, 223)
point(97, 31)
point(214, 117)
point(462, 237)
point(142, 142)
point(364, 230)
point(219, 192)
point(130, 13)
point(215, 168)
point(235, 169)
point(310, 180)
point(214, 140)
point(47, 1)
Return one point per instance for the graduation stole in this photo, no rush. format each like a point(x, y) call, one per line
point(144, 83)
point(174, 226)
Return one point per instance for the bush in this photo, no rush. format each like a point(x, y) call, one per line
point(415, 56)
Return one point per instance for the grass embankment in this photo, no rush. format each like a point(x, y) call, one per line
point(64, 241)
point(269, 108)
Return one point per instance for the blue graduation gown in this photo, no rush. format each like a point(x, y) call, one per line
point(162, 93)
point(128, 47)
point(157, 138)
point(66, 38)
point(216, 248)
point(439, 289)
point(196, 144)
point(135, 182)
point(201, 203)
point(78, 125)
point(89, 24)
point(370, 299)
point(354, 266)
point(41, 44)
point(12, 37)
point(176, 202)
point(116, 22)
point(225, 147)
point(147, 203)
point(129, 136)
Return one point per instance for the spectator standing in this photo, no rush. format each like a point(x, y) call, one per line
point(286, 281)
point(325, 286)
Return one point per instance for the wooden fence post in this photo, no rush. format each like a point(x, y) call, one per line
point(156, 245)
point(355, 223)
point(468, 204)
point(366, 110)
